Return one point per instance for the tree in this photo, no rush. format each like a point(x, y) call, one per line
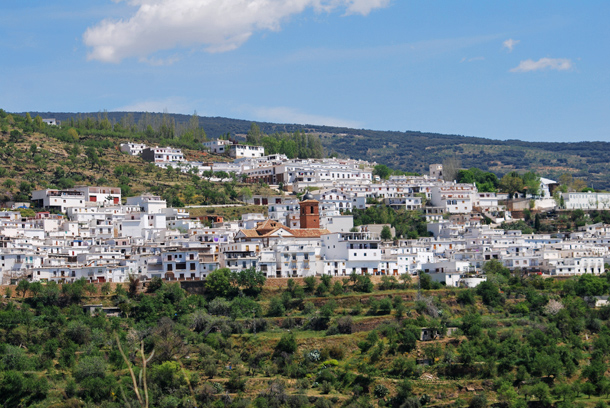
point(219, 283)
point(22, 287)
point(246, 193)
point(478, 401)
point(276, 307)
point(287, 344)
point(495, 267)
point(490, 293)
point(451, 166)
point(588, 389)
point(382, 171)
point(92, 156)
point(254, 135)
point(73, 134)
point(511, 183)
point(531, 181)
point(386, 233)
point(591, 285)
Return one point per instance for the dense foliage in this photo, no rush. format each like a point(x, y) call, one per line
point(323, 342)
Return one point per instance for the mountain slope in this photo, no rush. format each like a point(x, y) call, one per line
point(414, 151)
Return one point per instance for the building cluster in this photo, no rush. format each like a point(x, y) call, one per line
point(101, 239)
point(251, 164)
point(95, 234)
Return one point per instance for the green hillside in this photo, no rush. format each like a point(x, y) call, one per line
point(37, 156)
point(410, 151)
point(514, 341)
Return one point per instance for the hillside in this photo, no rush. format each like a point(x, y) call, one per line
point(414, 151)
point(515, 341)
point(39, 156)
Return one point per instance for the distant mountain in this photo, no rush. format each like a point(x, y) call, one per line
point(414, 151)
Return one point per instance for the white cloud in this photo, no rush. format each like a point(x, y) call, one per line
point(510, 44)
point(218, 25)
point(364, 7)
point(558, 64)
point(283, 114)
point(473, 59)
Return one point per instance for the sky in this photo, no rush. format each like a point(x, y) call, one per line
point(528, 70)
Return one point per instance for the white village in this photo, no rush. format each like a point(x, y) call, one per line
point(96, 234)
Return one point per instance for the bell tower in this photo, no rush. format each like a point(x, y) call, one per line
point(310, 212)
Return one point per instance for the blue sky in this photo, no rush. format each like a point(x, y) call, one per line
point(536, 71)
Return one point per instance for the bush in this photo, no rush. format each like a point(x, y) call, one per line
point(381, 391)
point(167, 376)
point(90, 367)
point(14, 358)
point(78, 332)
point(19, 390)
point(97, 389)
point(276, 308)
point(478, 401)
point(287, 344)
point(236, 383)
point(466, 297)
point(345, 325)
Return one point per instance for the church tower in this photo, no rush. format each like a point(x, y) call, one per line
point(310, 212)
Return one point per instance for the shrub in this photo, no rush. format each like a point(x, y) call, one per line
point(335, 351)
point(167, 376)
point(345, 325)
point(276, 307)
point(287, 344)
point(78, 332)
point(236, 383)
point(478, 401)
point(14, 358)
point(466, 297)
point(381, 391)
point(90, 367)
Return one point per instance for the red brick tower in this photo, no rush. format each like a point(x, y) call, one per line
point(310, 212)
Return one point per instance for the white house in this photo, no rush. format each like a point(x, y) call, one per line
point(239, 150)
point(455, 198)
point(58, 199)
point(133, 149)
point(351, 252)
point(218, 146)
point(51, 121)
point(148, 203)
point(162, 154)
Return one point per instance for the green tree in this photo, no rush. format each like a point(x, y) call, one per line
point(219, 283)
point(386, 233)
point(287, 344)
point(511, 183)
point(22, 287)
point(382, 171)
point(254, 135)
point(251, 281)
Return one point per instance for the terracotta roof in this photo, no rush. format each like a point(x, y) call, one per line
point(309, 232)
point(269, 225)
point(249, 233)
point(267, 229)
